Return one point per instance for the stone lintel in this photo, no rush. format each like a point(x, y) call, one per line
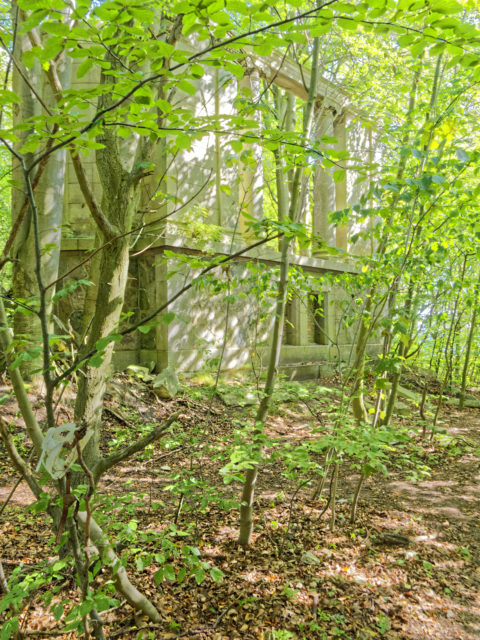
point(266, 255)
point(77, 244)
point(285, 73)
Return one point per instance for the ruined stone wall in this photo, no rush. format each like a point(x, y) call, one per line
point(209, 325)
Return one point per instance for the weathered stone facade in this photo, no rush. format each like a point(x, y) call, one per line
point(219, 192)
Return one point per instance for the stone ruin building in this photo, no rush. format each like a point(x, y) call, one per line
point(215, 222)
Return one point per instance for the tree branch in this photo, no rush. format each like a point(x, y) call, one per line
point(136, 599)
point(95, 209)
point(106, 463)
point(19, 463)
point(18, 384)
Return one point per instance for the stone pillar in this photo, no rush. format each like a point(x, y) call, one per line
point(371, 159)
point(323, 187)
point(250, 168)
point(296, 332)
point(341, 187)
point(37, 99)
point(153, 205)
point(330, 320)
point(153, 291)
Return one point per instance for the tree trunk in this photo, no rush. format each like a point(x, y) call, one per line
point(402, 350)
point(468, 346)
point(293, 210)
point(111, 284)
point(248, 493)
point(49, 193)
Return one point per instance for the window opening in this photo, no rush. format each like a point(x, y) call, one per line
point(317, 318)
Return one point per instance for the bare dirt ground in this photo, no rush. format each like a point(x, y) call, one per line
point(409, 568)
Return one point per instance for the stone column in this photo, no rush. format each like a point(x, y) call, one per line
point(341, 187)
point(323, 187)
point(370, 182)
point(37, 99)
point(250, 173)
point(296, 316)
point(153, 205)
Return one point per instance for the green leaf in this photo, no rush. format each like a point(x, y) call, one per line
point(197, 70)
point(183, 141)
point(169, 572)
point(168, 317)
point(56, 28)
point(104, 602)
point(85, 607)
point(406, 40)
point(103, 342)
point(7, 96)
point(145, 328)
point(462, 155)
point(141, 14)
point(51, 48)
point(181, 575)
point(445, 6)
point(163, 105)
point(96, 360)
point(9, 628)
point(216, 574)
point(235, 69)
point(349, 25)
point(199, 575)
point(320, 29)
point(186, 87)
point(164, 49)
point(58, 612)
point(31, 145)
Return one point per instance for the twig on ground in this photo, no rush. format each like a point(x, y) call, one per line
point(10, 495)
point(290, 511)
point(329, 496)
point(45, 634)
point(15, 486)
point(119, 417)
point(188, 403)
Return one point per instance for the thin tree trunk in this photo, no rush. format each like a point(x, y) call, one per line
point(292, 209)
point(333, 498)
point(402, 349)
point(365, 330)
point(248, 493)
point(447, 344)
point(37, 96)
point(468, 346)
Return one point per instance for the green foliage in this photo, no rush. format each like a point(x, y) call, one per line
point(383, 624)
point(418, 213)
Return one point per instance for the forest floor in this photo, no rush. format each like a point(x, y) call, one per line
point(409, 568)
